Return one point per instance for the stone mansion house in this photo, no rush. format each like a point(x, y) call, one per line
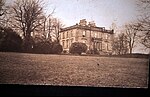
point(94, 37)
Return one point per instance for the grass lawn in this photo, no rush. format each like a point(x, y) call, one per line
point(21, 68)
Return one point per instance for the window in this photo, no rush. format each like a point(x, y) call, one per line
point(100, 45)
point(106, 36)
point(95, 35)
point(63, 35)
point(103, 46)
point(106, 46)
point(63, 43)
point(71, 33)
point(83, 33)
point(67, 35)
point(67, 44)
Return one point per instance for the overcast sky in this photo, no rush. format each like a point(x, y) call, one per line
point(103, 12)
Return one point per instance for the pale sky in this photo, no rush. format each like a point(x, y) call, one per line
point(103, 12)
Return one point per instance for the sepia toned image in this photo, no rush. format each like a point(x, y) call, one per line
point(87, 43)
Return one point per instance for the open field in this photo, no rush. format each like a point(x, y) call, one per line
point(20, 68)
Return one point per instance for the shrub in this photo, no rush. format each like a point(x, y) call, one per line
point(64, 51)
point(9, 40)
point(57, 48)
point(46, 46)
point(77, 48)
point(43, 47)
point(95, 51)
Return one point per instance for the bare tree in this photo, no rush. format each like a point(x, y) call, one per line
point(3, 9)
point(47, 25)
point(49, 28)
point(120, 44)
point(2, 3)
point(57, 25)
point(114, 26)
point(28, 16)
point(131, 34)
point(143, 24)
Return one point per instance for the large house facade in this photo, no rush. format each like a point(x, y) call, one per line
point(94, 37)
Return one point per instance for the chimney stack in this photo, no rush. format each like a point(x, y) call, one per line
point(83, 22)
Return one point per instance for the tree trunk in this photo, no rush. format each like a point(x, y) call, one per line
point(27, 43)
point(130, 50)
